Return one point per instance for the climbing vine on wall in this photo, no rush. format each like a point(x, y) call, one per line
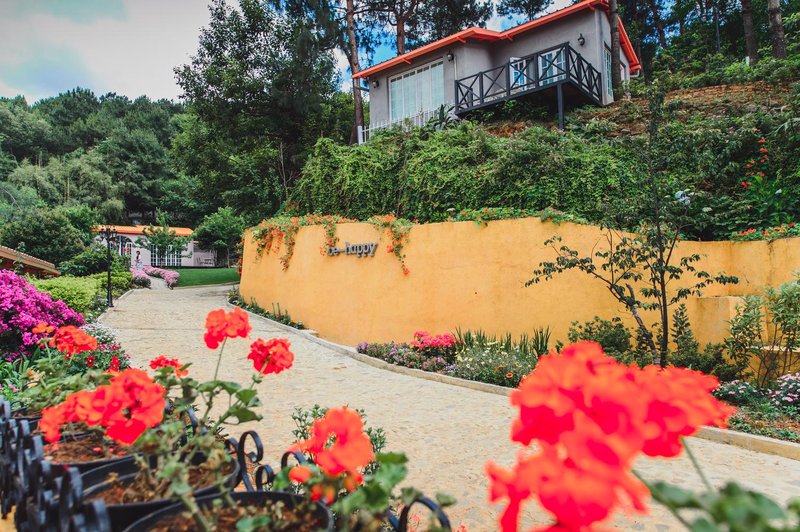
point(397, 229)
point(270, 234)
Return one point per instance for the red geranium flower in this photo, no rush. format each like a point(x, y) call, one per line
point(300, 474)
point(114, 366)
point(271, 356)
point(221, 325)
point(351, 448)
point(71, 340)
point(126, 407)
point(163, 362)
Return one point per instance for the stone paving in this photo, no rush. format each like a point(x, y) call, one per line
point(448, 432)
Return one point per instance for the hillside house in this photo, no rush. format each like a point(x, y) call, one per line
point(564, 55)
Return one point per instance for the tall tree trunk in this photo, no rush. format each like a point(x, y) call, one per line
point(401, 36)
point(659, 24)
point(355, 67)
point(616, 77)
point(750, 43)
point(776, 29)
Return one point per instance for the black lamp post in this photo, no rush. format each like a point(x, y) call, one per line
point(108, 232)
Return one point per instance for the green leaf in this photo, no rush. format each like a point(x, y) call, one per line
point(410, 494)
point(704, 525)
point(242, 414)
point(445, 499)
point(246, 395)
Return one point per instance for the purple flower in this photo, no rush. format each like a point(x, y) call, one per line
point(22, 307)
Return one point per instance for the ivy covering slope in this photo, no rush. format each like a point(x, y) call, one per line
point(596, 169)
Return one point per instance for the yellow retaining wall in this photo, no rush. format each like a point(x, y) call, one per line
point(470, 276)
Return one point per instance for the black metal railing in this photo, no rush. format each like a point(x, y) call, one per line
point(528, 74)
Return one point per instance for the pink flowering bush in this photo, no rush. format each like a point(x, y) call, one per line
point(139, 278)
point(439, 345)
point(787, 390)
point(22, 307)
point(170, 276)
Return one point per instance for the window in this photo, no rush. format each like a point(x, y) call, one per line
point(551, 67)
point(160, 259)
point(417, 91)
point(518, 76)
point(609, 86)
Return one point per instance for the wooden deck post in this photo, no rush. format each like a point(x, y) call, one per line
point(560, 93)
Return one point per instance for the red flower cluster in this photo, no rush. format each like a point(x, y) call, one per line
point(114, 366)
point(71, 340)
point(424, 340)
point(351, 449)
point(592, 417)
point(271, 356)
point(221, 325)
point(163, 362)
point(126, 407)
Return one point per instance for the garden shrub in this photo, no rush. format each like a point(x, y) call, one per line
point(711, 360)
point(79, 293)
point(90, 261)
point(765, 333)
point(787, 391)
point(612, 335)
point(139, 279)
point(120, 281)
point(170, 277)
point(738, 392)
point(22, 307)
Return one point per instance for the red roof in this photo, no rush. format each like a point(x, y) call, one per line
point(139, 230)
point(482, 34)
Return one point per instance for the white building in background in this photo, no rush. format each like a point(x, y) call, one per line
point(130, 237)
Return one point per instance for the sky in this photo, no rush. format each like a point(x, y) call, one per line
point(129, 47)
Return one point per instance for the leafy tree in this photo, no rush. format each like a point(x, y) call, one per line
point(161, 239)
point(640, 271)
point(46, 234)
point(220, 231)
point(439, 18)
point(529, 9)
point(256, 88)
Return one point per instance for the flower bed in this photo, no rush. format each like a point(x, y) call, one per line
point(22, 306)
point(139, 278)
point(480, 359)
point(773, 412)
point(170, 276)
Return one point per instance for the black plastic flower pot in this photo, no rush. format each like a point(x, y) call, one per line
point(259, 498)
point(122, 515)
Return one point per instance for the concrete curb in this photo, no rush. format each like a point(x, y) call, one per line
point(751, 442)
point(205, 285)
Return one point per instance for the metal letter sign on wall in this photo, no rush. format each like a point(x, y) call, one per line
point(360, 250)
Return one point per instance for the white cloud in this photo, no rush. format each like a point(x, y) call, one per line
point(133, 56)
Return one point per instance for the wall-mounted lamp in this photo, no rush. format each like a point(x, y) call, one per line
point(450, 56)
point(375, 83)
point(581, 39)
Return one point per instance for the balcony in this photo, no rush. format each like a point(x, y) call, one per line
point(548, 69)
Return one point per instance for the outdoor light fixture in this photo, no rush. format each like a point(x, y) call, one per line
point(108, 232)
point(375, 84)
point(450, 56)
point(581, 39)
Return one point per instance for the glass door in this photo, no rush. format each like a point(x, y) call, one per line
point(551, 67)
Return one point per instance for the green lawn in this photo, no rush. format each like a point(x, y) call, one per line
point(201, 276)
